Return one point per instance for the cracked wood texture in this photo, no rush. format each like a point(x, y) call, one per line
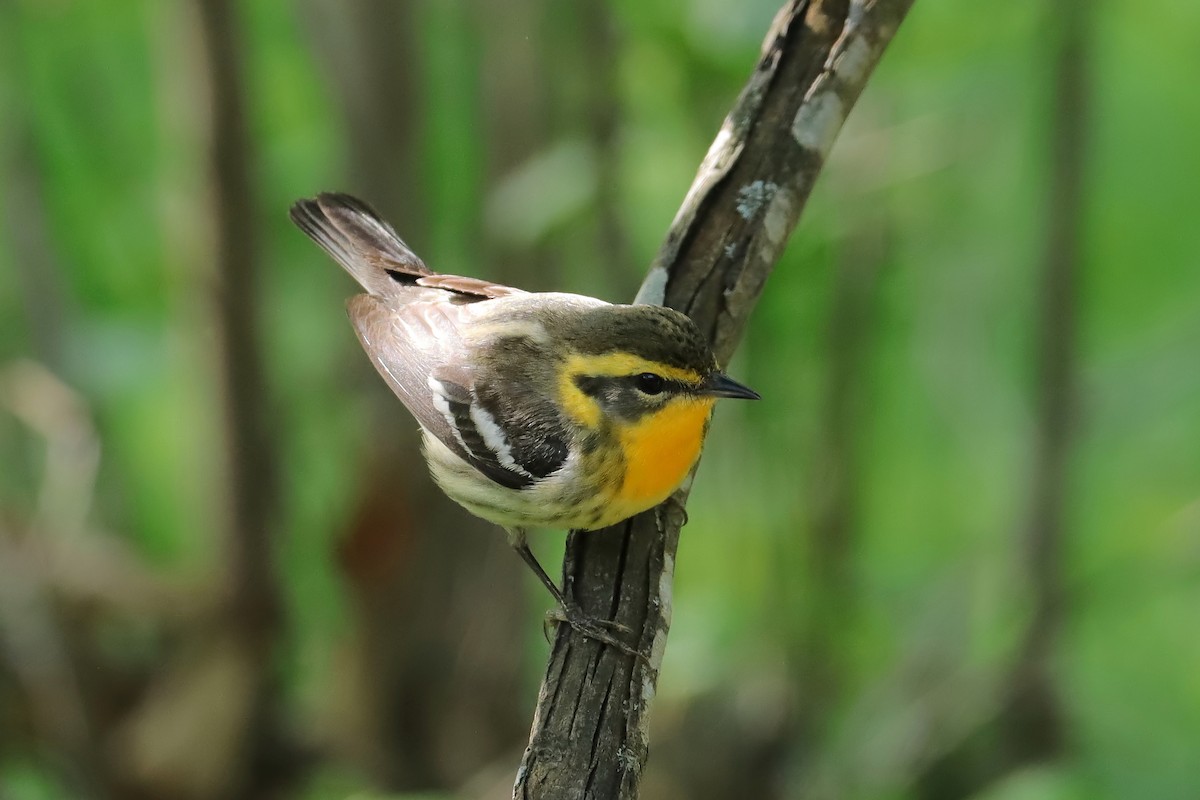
point(590, 730)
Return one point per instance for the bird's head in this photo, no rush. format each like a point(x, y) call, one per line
point(629, 365)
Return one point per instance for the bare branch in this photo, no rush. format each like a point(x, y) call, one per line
point(589, 736)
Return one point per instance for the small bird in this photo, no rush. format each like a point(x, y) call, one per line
point(537, 409)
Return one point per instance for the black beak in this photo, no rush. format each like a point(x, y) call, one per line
point(721, 385)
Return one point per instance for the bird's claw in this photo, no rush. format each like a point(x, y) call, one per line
point(601, 630)
point(676, 503)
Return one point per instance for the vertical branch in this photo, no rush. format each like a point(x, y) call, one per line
point(590, 731)
point(1029, 726)
point(1037, 726)
point(252, 616)
point(249, 454)
point(833, 495)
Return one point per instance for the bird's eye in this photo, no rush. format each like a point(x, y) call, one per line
point(649, 383)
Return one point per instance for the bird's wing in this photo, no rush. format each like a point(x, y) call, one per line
point(412, 326)
point(370, 250)
point(418, 347)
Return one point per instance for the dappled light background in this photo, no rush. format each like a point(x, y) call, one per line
point(954, 552)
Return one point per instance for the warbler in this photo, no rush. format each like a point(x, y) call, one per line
point(537, 409)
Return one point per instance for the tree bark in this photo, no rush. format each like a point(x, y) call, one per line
point(590, 729)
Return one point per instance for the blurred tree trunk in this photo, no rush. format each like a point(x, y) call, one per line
point(202, 726)
point(250, 449)
point(1035, 730)
point(253, 615)
point(207, 726)
point(437, 593)
point(1030, 725)
point(831, 595)
point(590, 733)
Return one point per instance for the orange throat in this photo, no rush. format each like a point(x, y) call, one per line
point(660, 450)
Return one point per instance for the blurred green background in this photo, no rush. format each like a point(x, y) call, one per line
point(862, 610)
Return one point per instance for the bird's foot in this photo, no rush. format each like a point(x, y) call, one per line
point(674, 502)
point(601, 630)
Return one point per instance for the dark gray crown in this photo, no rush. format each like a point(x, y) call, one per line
point(652, 332)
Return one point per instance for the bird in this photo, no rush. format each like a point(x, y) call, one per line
point(537, 409)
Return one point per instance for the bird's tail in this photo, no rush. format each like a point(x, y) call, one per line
point(360, 241)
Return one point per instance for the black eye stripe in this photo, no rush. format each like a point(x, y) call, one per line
point(594, 385)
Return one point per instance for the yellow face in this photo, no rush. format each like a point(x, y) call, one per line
point(656, 413)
